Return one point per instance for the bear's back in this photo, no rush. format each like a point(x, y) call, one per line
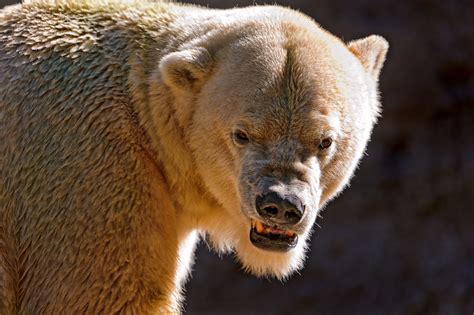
point(69, 147)
point(64, 95)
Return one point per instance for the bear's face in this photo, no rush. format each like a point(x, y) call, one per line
point(279, 123)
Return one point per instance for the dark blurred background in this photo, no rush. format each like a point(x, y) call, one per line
point(400, 240)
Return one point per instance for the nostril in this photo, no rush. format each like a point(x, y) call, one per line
point(279, 209)
point(271, 210)
point(292, 217)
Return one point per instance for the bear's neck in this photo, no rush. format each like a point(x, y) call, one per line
point(164, 124)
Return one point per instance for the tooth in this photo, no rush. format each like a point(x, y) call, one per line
point(259, 227)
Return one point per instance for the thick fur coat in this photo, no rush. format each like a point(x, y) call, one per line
point(117, 143)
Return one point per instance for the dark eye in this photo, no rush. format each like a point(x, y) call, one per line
point(240, 137)
point(325, 143)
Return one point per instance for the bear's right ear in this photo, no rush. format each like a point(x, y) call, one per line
point(186, 70)
point(371, 52)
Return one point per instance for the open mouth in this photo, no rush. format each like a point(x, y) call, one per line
point(272, 238)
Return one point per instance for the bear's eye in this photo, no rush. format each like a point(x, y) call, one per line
point(325, 143)
point(240, 137)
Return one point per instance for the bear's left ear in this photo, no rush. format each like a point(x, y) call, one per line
point(371, 51)
point(186, 70)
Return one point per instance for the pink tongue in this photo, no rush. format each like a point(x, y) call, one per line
point(278, 231)
point(274, 230)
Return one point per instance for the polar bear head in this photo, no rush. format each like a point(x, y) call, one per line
point(280, 113)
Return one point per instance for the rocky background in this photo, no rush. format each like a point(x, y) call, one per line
point(400, 240)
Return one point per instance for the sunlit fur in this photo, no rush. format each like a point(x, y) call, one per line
point(116, 148)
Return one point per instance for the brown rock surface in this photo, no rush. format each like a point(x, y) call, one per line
point(400, 240)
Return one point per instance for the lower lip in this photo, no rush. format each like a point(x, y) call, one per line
point(275, 243)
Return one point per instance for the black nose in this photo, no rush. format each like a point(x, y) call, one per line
point(280, 209)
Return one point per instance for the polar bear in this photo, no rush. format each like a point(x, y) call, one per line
point(130, 129)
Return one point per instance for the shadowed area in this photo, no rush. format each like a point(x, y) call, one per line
point(400, 240)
